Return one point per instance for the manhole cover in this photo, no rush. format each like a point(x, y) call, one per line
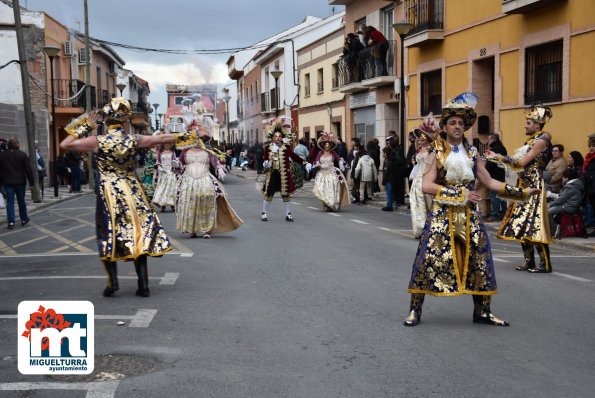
point(114, 366)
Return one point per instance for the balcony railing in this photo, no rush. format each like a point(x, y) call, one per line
point(368, 63)
point(307, 90)
point(425, 15)
point(105, 98)
point(139, 107)
point(67, 88)
point(320, 87)
point(274, 99)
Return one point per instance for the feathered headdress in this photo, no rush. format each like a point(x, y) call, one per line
point(429, 128)
point(539, 113)
point(327, 137)
point(463, 105)
point(281, 125)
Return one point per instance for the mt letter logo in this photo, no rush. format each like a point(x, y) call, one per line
point(56, 337)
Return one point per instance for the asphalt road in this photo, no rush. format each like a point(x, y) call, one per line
point(310, 309)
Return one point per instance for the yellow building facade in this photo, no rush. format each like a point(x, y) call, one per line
point(512, 54)
point(322, 105)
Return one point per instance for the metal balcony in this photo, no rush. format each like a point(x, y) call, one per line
point(427, 17)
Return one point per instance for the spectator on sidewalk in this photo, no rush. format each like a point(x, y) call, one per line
point(556, 167)
point(576, 161)
point(367, 174)
point(41, 172)
point(497, 205)
point(16, 171)
point(569, 200)
point(73, 162)
point(302, 151)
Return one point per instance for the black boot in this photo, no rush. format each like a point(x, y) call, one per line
point(417, 301)
point(482, 312)
point(528, 254)
point(112, 278)
point(545, 266)
point(140, 265)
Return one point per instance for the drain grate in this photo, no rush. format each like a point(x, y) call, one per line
point(113, 367)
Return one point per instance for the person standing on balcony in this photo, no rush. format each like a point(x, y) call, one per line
point(379, 50)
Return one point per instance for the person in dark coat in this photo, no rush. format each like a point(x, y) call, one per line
point(73, 161)
point(341, 149)
point(374, 152)
point(498, 206)
point(399, 167)
point(16, 171)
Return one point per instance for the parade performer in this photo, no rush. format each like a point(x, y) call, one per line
point(454, 255)
point(127, 227)
point(202, 206)
point(419, 202)
point(148, 176)
point(165, 185)
point(330, 185)
point(528, 222)
point(277, 169)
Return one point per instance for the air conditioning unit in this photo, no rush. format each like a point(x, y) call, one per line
point(113, 68)
point(83, 58)
point(68, 48)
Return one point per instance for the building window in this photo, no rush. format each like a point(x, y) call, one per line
point(178, 100)
point(307, 85)
point(543, 73)
point(320, 80)
point(256, 92)
point(431, 92)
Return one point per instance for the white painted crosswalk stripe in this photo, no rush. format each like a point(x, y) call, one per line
point(361, 222)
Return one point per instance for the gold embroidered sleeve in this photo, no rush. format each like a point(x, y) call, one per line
point(454, 196)
point(514, 193)
point(80, 127)
point(186, 139)
point(507, 161)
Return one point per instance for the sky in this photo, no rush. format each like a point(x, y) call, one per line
point(181, 24)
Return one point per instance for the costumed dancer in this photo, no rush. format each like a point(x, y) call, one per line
point(202, 206)
point(528, 222)
point(277, 169)
point(419, 202)
point(127, 227)
point(148, 176)
point(330, 185)
point(165, 184)
point(454, 255)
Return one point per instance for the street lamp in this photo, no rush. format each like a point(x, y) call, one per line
point(276, 74)
point(121, 87)
point(226, 98)
point(155, 106)
point(52, 52)
point(160, 116)
point(402, 28)
point(329, 112)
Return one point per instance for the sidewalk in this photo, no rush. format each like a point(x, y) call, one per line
point(48, 200)
point(380, 201)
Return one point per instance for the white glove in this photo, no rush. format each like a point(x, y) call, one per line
point(221, 173)
point(266, 164)
point(275, 148)
point(160, 169)
point(342, 164)
point(308, 167)
point(175, 163)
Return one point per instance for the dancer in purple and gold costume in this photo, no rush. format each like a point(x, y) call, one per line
point(454, 255)
point(127, 227)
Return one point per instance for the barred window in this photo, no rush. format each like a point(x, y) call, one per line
point(431, 92)
point(543, 73)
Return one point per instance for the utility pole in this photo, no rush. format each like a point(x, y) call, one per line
point(26, 100)
point(88, 106)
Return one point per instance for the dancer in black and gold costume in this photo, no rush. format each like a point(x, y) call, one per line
point(127, 227)
point(454, 255)
point(528, 222)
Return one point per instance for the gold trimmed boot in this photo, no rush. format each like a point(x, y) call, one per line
point(112, 278)
point(483, 314)
point(417, 301)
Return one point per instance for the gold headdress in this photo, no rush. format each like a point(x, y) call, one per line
point(539, 113)
point(463, 105)
point(117, 110)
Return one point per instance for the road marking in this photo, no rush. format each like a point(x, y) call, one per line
point(6, 249)
point(184, 254)
point(500, 260)
point(142, 318)
point(385, 229)
point(179, 245)
point(104, 389)
point(552, 256)
point(62, 239)
point(296, 203)
point(29, 241)
point(14, 254)
point(334, 214)
point(361, 222)
point(313, 208)
point(574, 278)
point(169, 278)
